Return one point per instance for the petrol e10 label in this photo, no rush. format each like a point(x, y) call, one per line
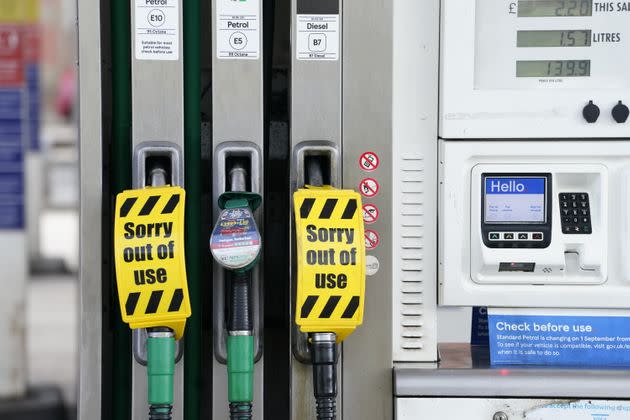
point(150, 261)
point(330, 260)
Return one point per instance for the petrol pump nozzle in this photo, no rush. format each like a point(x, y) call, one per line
point(146, 302)
point(235, 244)
point(160, 371)
point(330, 274)
point(323, 345)
point(324, 360)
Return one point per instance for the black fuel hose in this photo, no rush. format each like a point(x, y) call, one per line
point(324, 360)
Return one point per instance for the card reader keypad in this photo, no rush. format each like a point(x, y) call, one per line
point(575, 213)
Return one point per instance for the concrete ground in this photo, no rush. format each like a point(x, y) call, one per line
point(52, 333)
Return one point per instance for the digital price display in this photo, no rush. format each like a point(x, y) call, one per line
point(518, 200)
point(553, 68)
point(563, 38)
point(555, 8)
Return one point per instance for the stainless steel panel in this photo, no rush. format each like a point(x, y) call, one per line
point(316, 123)
point(367, 126)
point(315, 94)
point(237, 127)
point(512, 383)
point(237, 96)
point(91, 168)
point(157, 95)
point(157, 124)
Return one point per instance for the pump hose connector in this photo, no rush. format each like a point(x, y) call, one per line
point(160, 411)
point(324, 360)
point(241, 411)
point(160, 372)
point(239, 317)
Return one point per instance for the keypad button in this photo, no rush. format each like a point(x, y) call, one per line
point(508, 236)
point(537, 236)
point(494, 236)
point(575, 212)
point(523, 236)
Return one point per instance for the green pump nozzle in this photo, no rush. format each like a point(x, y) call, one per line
point(236, 245)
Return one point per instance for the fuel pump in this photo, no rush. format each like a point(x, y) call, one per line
point(330, 259)
point(151, 278)
point(235, 245)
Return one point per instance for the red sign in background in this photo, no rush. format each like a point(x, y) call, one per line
point(31, 43)
point(11, 56)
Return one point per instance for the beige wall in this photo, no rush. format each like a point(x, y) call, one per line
point(59, 44)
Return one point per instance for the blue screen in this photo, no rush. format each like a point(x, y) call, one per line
point(515, 199)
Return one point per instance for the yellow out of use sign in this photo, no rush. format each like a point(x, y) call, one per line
point(150, 262)
point(330, 260)
point(19, 11)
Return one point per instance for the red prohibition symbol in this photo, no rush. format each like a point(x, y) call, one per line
point(369, 187)
point(371, 239)
point(369, 161)
point(370, 213)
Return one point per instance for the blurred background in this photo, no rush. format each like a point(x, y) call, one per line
point(38, 209)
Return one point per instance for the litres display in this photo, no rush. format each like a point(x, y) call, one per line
point(561, 38)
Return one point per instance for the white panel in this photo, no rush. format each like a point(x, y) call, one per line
point(488, 409)
point(12, 314)
point(600, 278)
point(481, 97)
point(414, 174)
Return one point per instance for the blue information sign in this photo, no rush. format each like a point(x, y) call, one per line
point(11, 159)
point(479, 327)
point(32, 82)
point(559, 340)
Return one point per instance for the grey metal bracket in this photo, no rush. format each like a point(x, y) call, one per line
point(222, 153)
point(302, 152)
point(141, 154)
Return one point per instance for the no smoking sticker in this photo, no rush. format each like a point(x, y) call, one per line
point(371, 239)
point(369, 161)
point(370, 213)
point(369, 187)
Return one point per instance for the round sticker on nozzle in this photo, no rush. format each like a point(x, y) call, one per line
point(235, 242)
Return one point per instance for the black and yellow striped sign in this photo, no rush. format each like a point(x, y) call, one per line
point(150, 261)
point(330, 260)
